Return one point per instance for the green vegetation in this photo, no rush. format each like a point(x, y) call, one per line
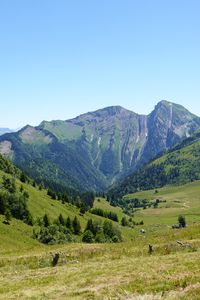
point(72, 253)
point(92, 150)
point(100, 212)
point(13, 203)
point(101, 233)
point(173, 201)
point(96, 271)
point(180, 165)
point(181, 221)
point(99, 270)
point(64, 218)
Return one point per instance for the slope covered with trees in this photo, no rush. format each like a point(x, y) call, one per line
point(179, 165)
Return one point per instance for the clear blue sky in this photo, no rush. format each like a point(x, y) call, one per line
point(65, 57)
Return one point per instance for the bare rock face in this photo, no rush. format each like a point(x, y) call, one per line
point(96, 148)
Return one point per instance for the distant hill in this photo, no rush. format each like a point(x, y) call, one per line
point(179, 165)
point(5, 130)
point(95, 149)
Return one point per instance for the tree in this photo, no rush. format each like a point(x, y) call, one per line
point(69, 224)
point(88, 237)
point(76, 226)
point(52, 194)
point(61, 220)
point(9, 184)
point(8, 215)
point(108, 228)
point(23, 177)
point(88, 198)
point(100, 237)
point(34, 183)
point(3, 202)
point(46, 220)
point(124, 221)
point(90, 226)
point(78, 202)
point(181, 221)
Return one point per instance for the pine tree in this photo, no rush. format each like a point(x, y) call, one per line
point(69, 224)
point(76, 226)
point(90, 226)
point(61, 220)
point(46, 220)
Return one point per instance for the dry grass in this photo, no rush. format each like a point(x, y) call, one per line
point(108, 271)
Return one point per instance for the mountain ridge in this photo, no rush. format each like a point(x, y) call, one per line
point(4, 130)
point(94, 149)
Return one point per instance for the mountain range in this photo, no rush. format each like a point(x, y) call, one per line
point(93, 150)
point(5, 130)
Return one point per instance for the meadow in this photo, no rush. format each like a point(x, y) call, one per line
point(108, 271)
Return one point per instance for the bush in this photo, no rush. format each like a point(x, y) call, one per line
point(181, 221)
point(100, 237)
point(88, 237)
point(124, 222)
point(53, 234)
point(101, 232)
point(110, 231)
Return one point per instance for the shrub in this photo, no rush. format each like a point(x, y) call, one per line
point(88, 237)
point(181, 221)
point(124, 222)
point(101, 233)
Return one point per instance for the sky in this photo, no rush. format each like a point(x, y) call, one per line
point(62, 58)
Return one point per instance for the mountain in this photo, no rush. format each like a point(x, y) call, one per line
point(5, 130)
point(96, 148)
point(179, 165)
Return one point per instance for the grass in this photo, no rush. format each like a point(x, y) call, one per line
point(179, 200)
point(105, 205)
point(107, 271)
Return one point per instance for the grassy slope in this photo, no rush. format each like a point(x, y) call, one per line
point(17, 236)
point(110, 271)
point(179, 200)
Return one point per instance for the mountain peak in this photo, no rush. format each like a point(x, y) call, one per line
point(104, 113)
point(164, 103)
point(177, 109)
point(113, 110)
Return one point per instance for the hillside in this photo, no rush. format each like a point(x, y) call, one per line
point(28, 203)
point(108, 271)
point(96, 148)
point(179, 165)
